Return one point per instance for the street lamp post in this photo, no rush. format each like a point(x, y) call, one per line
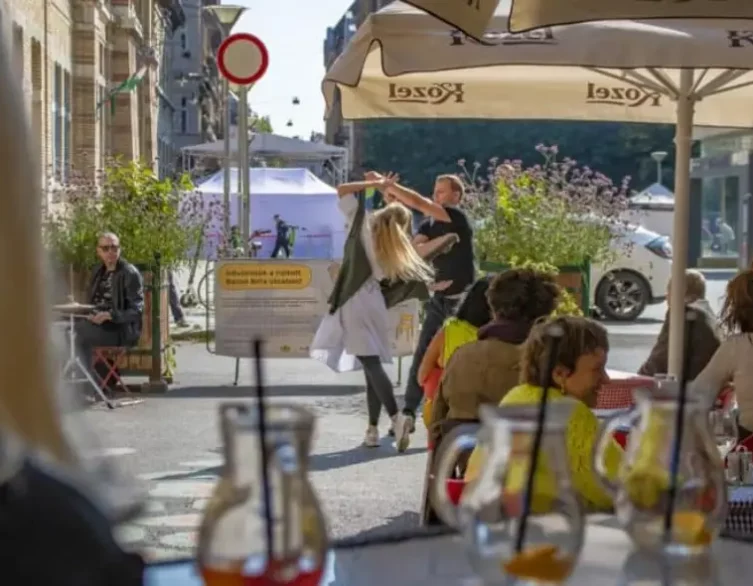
point(225, 16)
point(658, 156)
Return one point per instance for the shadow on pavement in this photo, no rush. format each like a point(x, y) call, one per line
point(357, 455)
point(244, 392)
point(396, 525)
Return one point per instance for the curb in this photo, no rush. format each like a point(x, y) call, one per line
point(198, 335)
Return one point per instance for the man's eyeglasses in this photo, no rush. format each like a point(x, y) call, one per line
point(110, 248)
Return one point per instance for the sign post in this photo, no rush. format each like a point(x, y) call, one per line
point(243, 60)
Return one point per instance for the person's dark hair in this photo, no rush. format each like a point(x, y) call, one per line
point(580, 336)
point(474, 308)
point(522, 294)
point(737, 310)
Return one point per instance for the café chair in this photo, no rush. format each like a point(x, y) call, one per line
point(454, 486)
point(107, 360)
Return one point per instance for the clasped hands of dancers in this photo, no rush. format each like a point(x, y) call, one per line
point(381, 267)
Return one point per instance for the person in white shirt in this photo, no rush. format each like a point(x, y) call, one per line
point(733, 361)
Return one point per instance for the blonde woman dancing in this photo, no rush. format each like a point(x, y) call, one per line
point(380, 268)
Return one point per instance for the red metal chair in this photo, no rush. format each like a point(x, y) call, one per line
point(108, 359)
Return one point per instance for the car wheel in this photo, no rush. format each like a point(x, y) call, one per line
point(622, 296)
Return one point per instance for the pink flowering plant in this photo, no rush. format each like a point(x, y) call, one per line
point(556, 213)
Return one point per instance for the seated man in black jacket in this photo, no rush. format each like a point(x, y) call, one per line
point(117, 291)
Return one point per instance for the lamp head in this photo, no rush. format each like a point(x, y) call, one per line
point(226, 15)
point(659, 156)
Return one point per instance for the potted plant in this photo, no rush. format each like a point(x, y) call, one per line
point(159, 223)
point(557, 216)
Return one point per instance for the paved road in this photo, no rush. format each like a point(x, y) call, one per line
point(172, 443)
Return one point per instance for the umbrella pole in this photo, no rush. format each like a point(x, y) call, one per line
point(683, 141)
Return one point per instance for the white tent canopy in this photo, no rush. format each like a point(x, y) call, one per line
point(297, 195)
point(271, 181)
point(655, 195)
point(270, 145)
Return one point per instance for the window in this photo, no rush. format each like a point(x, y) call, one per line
point(18, 50)
point(102, 59)
point(67, 138)
point(57, 123)
point(183, 43)
point(104, 112)
point(183, 115)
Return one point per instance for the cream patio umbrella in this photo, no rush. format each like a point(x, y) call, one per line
point(531, 14)
point(403, 63)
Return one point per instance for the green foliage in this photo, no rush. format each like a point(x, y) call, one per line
point(557, 213)
point(421, 149)
point(149, 215)
point(261, 124)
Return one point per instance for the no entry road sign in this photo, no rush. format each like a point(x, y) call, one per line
point(243, 59)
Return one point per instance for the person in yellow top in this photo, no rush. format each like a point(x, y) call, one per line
point(579, 373)
point(462, 328)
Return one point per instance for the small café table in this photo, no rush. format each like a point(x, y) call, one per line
point(607, 558)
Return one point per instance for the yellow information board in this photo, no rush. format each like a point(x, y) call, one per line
point(283, 302)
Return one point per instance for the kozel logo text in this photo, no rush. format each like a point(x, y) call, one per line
point(632, 97)
point(542, 36)
point(435, 94)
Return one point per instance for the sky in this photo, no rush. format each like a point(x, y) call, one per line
point(294, 32)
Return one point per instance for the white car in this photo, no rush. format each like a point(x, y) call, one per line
point(638, 276)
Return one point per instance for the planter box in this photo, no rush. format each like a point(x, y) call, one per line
point(149, 357)
point(576, 279)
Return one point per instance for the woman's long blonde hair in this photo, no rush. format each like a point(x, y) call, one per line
point(28, 403)
point(395, 253)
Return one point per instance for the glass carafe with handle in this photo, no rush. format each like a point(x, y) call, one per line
point(641, 489)
point(491, 505)
point(232, 548)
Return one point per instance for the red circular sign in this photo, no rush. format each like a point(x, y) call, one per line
point(243, 58)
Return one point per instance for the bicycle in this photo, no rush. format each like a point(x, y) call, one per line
point(225, 254)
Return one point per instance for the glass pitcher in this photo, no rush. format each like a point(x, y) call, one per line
point(641, 490)
point(491, 505)
point(232, 547)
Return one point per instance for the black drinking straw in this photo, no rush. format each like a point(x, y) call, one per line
point(554, 334)
point(261, 413)
point(690, 317)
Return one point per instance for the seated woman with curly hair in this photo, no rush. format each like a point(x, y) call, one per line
point(485, 370)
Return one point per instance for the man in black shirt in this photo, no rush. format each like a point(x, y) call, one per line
point(454, 272)
point(282, 239)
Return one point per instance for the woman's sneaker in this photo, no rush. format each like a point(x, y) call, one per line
point(402, 424)
point(371, 439)
point(391, 430)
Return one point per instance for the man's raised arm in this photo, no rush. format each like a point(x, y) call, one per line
point(412, 199)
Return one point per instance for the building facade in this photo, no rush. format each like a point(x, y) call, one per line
point(195, 81)
point(91, 73)
point(338, 131)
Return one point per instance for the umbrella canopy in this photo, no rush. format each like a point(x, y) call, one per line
point(531, 14)
point(404, 63)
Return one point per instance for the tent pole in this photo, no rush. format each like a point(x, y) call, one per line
point(683, 141)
